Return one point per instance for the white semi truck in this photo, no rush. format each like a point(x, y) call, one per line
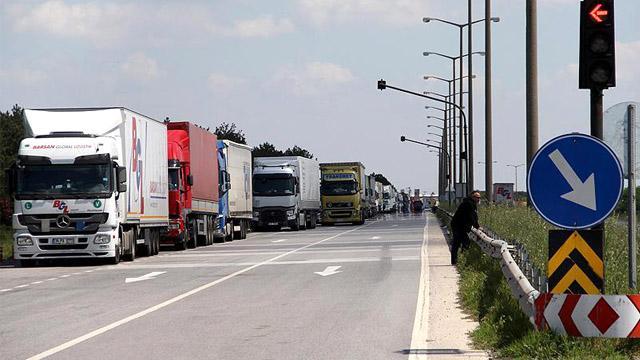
point(286, 192)
point(89, 183)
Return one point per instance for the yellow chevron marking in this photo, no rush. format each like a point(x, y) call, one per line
point(575, 274)
point(575, 241)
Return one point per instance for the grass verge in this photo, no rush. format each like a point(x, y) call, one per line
point(504, 329)
point(6, 242)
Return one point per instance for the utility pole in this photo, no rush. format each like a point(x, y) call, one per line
point(532, 80)
point(470, 185)
point(488, 136)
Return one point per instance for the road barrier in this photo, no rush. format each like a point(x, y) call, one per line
point(519, 281)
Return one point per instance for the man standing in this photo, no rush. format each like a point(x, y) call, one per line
point(465, 217)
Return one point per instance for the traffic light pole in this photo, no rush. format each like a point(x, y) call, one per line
point(596, 113)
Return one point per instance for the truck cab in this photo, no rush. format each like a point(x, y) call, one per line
point(275, 192)
point(66, 185)
point(342, 190)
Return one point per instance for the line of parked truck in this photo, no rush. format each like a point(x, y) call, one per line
point(112, 183)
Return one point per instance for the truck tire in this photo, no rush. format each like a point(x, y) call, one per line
point(237, 234)
point(295, 225)
point(156, 242)
point(192, 237)
point(116, 259)
point(313, 222)
point(245, 228)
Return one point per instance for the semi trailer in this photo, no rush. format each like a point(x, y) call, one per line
point(236, 197)
point(89, 183)
point(286, 192)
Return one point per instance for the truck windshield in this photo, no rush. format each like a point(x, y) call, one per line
point(339, 187)
point(270, 185)
point(174, 180)
point(64, 181)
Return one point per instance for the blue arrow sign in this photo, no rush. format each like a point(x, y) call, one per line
point(575, 181)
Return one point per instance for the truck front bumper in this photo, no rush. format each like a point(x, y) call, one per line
point(340, 216)
point(273, 217)
point(99, 245)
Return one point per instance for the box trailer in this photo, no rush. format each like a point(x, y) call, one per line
point(236, 196)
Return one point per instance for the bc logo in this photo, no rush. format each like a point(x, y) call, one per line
point(136, 164)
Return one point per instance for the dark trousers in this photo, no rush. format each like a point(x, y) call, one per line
point(460, 238)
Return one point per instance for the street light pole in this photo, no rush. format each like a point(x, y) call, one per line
point(488, 125)
point(441, 152)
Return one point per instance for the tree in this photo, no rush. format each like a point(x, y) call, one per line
point(298, 151)
point(266, 149)
point(230, 132)
point(11, 132)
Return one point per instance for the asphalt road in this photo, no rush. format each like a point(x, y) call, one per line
point(344, 292)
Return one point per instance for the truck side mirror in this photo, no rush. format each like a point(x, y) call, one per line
point(190, 180)
point(121, 179)
point(10, 179)
point(227, 177)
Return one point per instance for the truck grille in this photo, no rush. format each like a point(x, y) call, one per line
point(340, 214)
point(340, 205)
point(269, 216)
point(78, 223)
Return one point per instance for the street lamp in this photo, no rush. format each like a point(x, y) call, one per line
point(441, 151)
point(460, 27)
point(435, 126)
point(515, 167)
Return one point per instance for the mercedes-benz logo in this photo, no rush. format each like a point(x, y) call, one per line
point(63, 221)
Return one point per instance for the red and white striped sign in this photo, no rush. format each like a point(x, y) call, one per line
point(610, 316)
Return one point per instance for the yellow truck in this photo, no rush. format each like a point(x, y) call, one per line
point(343, 193)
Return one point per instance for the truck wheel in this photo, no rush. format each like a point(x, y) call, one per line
point(245, 228)
point(295, 225)
point(228, 231)
point(116, 259)
point(133, 244)
point(237, 234)
point(313, 222)
point(156, 242)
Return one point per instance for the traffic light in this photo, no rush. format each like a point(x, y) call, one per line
point(597, 45)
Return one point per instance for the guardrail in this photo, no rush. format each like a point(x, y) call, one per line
point(525, 285)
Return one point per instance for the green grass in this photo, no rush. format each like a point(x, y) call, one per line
point(504, 329)
point(6, 242)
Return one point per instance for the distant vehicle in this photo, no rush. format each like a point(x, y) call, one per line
point(370, 192)
point(389, 195)
point(89, 183)
point(343, 193)
point(286, 192)
point(379, 196)
point(193, 186)
point(236, 196)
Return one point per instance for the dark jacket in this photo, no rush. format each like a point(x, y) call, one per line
point(466, 216)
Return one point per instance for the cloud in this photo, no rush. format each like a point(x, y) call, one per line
point(264, 26)
point(140, 66)
point(218, 81)
point(313, 77)
point(626, 60)
point(94, 21)
point(394, 12)
point(23, 76)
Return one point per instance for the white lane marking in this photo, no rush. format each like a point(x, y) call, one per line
point(21, 286)
point(76, 273)
point(5, 290)
point(420, 333)
point(36, 282)
point(89, 271)
point(65, 276)
point(342, 242)
point(148, 276)
point(278, 241)
point(375, 237)
point(51, 279)
point(394, 225)
point(346, 249)
point(272, 263)
point(330, 270)
point(142, 313)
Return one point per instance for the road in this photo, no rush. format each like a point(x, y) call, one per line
point(343, 292)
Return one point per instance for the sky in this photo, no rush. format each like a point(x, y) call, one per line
point(304, 72)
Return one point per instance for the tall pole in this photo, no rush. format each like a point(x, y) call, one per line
point(453, 126)
point(596, 113)
point(631, 188)
point(488, 140)
point(532, 80)
point(461, 140)
point(470, 135)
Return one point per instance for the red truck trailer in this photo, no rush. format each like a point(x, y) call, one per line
point(193, 185)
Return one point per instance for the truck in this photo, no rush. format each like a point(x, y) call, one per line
point(370, 185)
point(236, 197)
point(193, 185)
point(286, 192)
point(89, 183)
point(389, 199)
point(343, 189)
point(379, 200)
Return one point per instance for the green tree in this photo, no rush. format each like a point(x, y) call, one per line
point(266, 149)
point(11, 132)
point(298, 151)
point(230, 132)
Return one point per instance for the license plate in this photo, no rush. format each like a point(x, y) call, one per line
point(272, 223)
point(62, 241)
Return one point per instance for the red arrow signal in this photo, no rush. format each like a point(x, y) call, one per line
point(598, 14)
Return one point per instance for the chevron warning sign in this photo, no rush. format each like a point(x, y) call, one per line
point(575, 263)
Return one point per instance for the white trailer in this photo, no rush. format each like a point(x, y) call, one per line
point(236, 195)
point(286, 192)
point(89, 183)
